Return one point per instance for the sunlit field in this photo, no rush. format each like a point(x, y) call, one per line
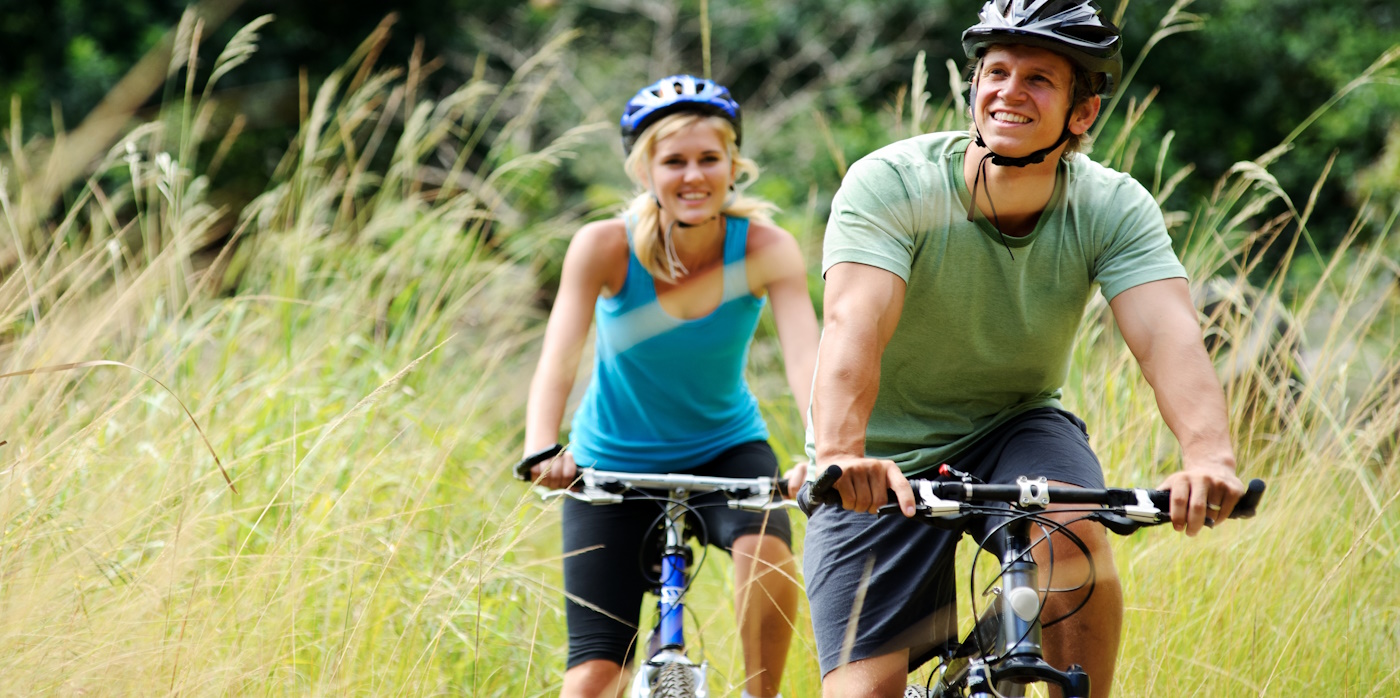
point(278, 465)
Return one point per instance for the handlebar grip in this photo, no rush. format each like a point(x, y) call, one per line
point(783, 490)
point(522, 469)
point(822, 491)
point(1249, 501)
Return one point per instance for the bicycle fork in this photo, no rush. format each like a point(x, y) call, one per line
point(674, 561)
point(1020, 660)
point(668, 671)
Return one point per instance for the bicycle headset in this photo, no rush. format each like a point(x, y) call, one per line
point(1074, 29)
point(678, 93)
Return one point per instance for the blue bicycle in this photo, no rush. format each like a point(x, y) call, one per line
point(669, 671)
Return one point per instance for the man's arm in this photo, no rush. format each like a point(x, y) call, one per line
point(861, 308)
point(1159, 324)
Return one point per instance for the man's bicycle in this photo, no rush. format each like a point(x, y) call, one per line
point(668, 672)
point(1002, 653)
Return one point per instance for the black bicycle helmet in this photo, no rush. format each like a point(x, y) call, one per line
point(1075, 29)
point(677, 93)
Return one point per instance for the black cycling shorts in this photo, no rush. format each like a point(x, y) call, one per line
point(910, 600)
point(604, 584)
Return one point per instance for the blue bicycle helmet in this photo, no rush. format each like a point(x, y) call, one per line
point(1073, 28)
point(678, 93)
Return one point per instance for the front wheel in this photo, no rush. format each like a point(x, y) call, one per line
point(675, 680)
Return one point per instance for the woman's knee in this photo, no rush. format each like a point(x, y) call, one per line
point(595, 677)
point(763, 555)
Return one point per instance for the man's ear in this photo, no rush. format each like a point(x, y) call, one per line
point(972, 88)
point(1084, 115)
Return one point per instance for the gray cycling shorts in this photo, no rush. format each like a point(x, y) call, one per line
point(884, 584)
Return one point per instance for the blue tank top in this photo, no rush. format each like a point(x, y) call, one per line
point(669, 394)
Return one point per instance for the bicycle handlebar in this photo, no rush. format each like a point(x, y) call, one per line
point(607, 487)
point(948, 499)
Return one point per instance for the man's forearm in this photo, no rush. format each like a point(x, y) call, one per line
point(1158, 321)
point(1192, 402)
point(847, 382)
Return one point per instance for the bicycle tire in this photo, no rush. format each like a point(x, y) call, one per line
point(674, 680)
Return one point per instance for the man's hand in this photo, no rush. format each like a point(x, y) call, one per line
point(864, 485)
point(557, 473)
point(1202, 491)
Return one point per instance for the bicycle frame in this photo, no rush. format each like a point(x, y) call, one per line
point(1004, 647)
point(668, 671)
point(674, 578)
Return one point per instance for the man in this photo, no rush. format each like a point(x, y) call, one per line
point(957, 272)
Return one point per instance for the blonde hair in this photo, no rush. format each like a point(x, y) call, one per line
point(649, 239)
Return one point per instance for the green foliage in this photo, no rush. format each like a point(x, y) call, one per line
point(1255, 71)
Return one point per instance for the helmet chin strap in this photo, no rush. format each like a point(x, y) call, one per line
point(1033, 159)
point(683, 224)
point(668, 238)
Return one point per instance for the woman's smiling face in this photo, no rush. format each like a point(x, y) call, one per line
point(691, 172)
point(1023, 97)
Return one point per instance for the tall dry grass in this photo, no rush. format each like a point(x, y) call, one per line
point(354, 385)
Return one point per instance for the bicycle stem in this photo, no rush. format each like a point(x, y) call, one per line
point(1019, 628)
point(1019, 601)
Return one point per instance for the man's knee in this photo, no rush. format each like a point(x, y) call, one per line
point(875, 677)
point(1078, 558)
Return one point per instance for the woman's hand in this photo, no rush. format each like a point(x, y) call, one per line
point(795, 477)
point(557, 473)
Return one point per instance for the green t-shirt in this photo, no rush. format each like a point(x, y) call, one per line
point(983, 337)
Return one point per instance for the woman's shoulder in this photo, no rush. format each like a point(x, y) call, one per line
point(607, 231)
point(773, 254)
point(599, 251)
point(766, 230)
point(764, 235)
point(605, 239)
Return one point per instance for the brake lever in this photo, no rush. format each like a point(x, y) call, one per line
point(761, 503)
point(1119, 524)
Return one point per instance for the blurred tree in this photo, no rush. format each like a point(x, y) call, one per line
point(819, 79)
point(1258, 70)
point(66, 55)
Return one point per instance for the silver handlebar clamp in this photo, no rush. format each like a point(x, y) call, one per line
point(1034, 492)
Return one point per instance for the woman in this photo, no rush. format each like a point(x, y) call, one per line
point(676, 285)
